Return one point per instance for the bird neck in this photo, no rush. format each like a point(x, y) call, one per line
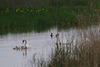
point(25, 42)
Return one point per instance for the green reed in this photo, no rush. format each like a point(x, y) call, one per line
point(50, 13)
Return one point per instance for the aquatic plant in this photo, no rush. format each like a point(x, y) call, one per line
point(84, 53)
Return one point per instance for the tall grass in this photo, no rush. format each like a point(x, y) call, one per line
point(25, 18)
point(64, 16)
point(32, 14)
point(84, 53)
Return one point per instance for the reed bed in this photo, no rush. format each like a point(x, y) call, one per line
point(85, 52)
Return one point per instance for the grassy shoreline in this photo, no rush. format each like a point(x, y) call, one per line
point(54, 13)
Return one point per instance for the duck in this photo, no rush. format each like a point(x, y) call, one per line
point(51, 35)
point(26, 45)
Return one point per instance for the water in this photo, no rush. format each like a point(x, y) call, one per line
point(11, 58)
point(41, 46)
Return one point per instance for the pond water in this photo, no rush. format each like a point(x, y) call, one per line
point(41, 46)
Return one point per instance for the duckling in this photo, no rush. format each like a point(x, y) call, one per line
point(16, 48)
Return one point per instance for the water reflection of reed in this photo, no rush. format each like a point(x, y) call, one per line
point(84, 53)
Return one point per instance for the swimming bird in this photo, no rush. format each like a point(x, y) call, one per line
point(59, 42)
point(51, 35)
point(26, 45)
point(57, 37)
point(16, 48)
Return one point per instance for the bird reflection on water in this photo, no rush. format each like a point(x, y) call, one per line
point(23, 48)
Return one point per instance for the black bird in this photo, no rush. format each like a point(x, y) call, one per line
point(51, 35)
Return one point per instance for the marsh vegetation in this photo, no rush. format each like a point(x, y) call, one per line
point(39, 15)
point(81, 52)
point(17, 16)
